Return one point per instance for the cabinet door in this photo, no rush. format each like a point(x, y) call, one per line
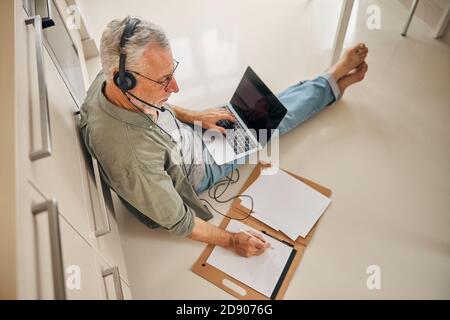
point(106, 237)
point(55, 261)
point(59, 174)
point(113, 287)
point(27, 252)
point(126, 291)
point(79, 265)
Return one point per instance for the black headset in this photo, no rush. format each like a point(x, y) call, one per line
point(123, 79)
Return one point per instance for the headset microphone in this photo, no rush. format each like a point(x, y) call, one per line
point(162, 109)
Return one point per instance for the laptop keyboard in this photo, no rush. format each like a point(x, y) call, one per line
point(239, 139)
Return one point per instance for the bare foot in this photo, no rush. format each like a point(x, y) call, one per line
point(351, 59)
point(353, 77)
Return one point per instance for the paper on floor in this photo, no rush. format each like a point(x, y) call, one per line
point(261, 273)
point(286, 203)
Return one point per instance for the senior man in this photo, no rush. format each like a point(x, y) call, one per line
point(143, 144)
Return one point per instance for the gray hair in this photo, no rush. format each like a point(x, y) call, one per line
point(145, 33)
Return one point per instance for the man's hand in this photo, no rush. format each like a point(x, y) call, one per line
point(244, 244)
point(209, 117)
point(248, 246)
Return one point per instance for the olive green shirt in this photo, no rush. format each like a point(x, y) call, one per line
point(141, 163)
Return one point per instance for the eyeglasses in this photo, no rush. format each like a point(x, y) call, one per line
point(164, 83)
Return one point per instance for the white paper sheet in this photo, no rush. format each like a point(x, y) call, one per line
point(286, 203)
point(260, 273)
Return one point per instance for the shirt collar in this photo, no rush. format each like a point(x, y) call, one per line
point(128, 116)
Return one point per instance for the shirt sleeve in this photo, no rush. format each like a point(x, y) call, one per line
point(152, 192)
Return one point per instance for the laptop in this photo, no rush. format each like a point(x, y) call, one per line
point(257, 112)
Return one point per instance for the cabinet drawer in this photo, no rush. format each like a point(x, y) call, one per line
point(106, 237)
point(79, 265)
point(59, 174)
point(61, 261)
point(113, 287)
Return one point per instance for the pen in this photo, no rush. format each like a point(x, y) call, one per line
point(285, 242)
point(251, 235)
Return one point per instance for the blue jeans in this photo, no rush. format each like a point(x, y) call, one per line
point(302, 100)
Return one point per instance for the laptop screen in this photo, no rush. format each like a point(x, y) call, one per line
point(257, 105)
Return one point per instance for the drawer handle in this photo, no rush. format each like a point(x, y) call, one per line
point(101, 198)
point(48, 21)
point(114, 271)
point(51, 206)
point(46, 138)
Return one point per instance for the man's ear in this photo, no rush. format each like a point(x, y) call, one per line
point(115, 72)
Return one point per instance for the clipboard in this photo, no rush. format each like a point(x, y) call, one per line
point(219, 278)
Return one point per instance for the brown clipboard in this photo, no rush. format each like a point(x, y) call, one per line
point(217, 277)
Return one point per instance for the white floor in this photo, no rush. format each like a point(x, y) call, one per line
point(384, 149)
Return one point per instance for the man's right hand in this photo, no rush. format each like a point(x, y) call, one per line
point(244, 244)
point(248, 246)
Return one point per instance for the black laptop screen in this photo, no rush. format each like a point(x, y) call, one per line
point(257, 105)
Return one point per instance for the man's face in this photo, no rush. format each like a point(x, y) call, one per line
point(157, 64)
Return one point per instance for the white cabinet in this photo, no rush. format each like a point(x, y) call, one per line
point(60, 173)
point(55, 261)
point(105, 231)
point(74, 252)
point(112, 286)
point(81, 280)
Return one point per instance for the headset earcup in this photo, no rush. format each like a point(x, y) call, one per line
point(116, 80)
point(127, 83)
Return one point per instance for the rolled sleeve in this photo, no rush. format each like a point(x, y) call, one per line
point(153, 194)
